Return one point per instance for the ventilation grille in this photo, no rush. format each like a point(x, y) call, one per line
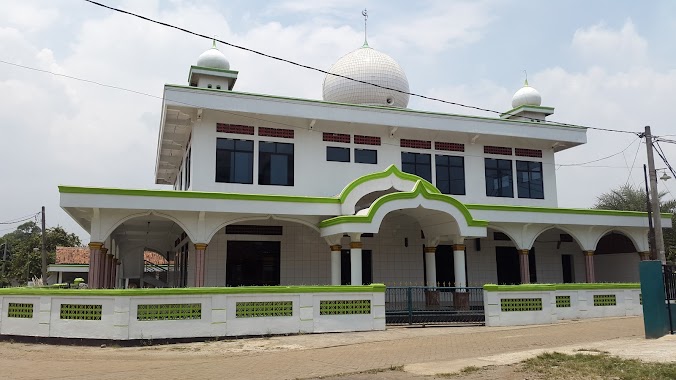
point(241, 229)
point(234, 128)
point(81, 312)
point(498, 150)
point(521, 304)
point(274, 132)
point(418, 144)
point(20, 310)
point(344, 307)
point(366, 140)
point(528, 152)
point(336, 137)
point(169, 312)
point(451, 147)
point(264, 309)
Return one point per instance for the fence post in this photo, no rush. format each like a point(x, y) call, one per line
point(668, 277)
point(409, 293)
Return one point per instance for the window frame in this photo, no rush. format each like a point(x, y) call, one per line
point(233, 161)
point(416, 164)
point(358, 159)
point(337, 148)
point(263, 162)
point(530, 183)
point(500, 175)
point(449, 169)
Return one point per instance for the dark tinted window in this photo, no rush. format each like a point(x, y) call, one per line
point(275, 164)
point(529, 180)
point(499, 178)
point(334, 153)
point(366, 156)
point(234, 161)
point(450, 174)
point(419, 164)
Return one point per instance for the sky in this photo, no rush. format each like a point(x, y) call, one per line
point(606, 64)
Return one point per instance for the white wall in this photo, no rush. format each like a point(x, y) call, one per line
point(618, 267)
point(315, 176)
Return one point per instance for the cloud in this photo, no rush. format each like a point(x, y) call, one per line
point(601, 45)
point(31, 16)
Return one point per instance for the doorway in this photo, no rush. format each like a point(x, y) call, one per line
point(366, 267)
point(509, 270)
point(253, 263)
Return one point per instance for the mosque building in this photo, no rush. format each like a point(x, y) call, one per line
point(355, 188)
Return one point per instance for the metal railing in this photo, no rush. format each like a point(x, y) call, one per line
point(434, 305)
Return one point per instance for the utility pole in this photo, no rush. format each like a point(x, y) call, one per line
point(654, 199)
point(651, 228)
point(44, 252)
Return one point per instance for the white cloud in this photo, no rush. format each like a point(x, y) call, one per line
point(28, 15)
point(601, 45)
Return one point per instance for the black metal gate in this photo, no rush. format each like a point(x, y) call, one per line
point(433, 305)
point(670, 293)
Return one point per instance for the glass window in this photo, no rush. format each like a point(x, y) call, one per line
point(334, 153)
point(450, 174)
point(419, 164)
point(275, 163)
point(234, 161)
point(499, 178)
point(529, 180)
point(366, 156)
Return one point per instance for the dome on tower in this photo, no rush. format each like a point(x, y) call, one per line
point(214, 59)
point(526, 96)
point(368, 65)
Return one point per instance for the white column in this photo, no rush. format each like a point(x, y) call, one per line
point(335, 264)
point(355, 260)
point(459, 265)
point(431, 265)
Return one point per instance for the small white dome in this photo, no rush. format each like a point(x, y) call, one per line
point(526, 96)
point(368, 65)
point(214, 59)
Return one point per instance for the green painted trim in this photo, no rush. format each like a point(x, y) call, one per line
point(419, 190)
point(391, 170)
point(560, 287)
point(519, 108)
point(213, 69)
point(404, 110)
point(553, 210)
point(373, 288)
point(195, 195)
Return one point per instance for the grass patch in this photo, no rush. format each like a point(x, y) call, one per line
point(557, 366)
point(470, 369)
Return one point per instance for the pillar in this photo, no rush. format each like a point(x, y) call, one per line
point(355, 261)
point(116, 264)
point(94, 258)
point(200, 267)
point(459, 265)
point(105, 269)
point(524, 266)
point(111, 274)
point(431, 266)
point(644, 255)
point(335, 264)
point(589, 266)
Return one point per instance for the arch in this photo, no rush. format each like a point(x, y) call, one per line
point(120, 221)
point(369, 220)
point(509, 234)
point(537, 234)
point(391, 177)
point(210, 235)
point(620, 231)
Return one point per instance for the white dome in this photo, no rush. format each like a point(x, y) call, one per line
point(368, 65)
point(214, 59)
point(526, 96)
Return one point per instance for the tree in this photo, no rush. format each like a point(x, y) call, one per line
point(631, 198)
point(25, 246)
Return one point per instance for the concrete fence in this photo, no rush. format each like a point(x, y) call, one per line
point(511, 305)
point(190, 312)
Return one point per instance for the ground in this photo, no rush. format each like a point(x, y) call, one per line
point(398, 353)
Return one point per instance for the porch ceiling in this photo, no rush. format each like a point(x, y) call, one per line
point(175, 130)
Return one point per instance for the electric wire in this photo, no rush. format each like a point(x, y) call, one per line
point(631, 168)
point(602, 158)
point(312, 68)
point(19, 220)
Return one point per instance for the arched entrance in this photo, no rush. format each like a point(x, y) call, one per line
point(616, 259)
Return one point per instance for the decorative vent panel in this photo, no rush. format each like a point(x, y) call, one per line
point(264, 309)
point(366, 140)
point(245, 229)
point(562, 301)
point(605, 300)
point(235, 128)
point(81, 312)
point(169, 312)
point(336, 137)
point(528, 152)
point(418, 144)
point(451, 147)
point(20, 310)
point(498, 150)
point(521, 304)
point(344, 307)
point(275, 132)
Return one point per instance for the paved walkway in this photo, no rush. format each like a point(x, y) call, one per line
point(308, 356)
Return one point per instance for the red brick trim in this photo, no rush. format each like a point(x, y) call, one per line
point(498, 150)
point(418, 144)
point(275, 132)
point(366, 140)
point(336, 137)
point(451, 147)
point(235, 128)
point(527, 152)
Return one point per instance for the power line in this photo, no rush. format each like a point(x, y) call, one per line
point(308, 67)
point(631, 168)
point(603, 158)
point(19, 220)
